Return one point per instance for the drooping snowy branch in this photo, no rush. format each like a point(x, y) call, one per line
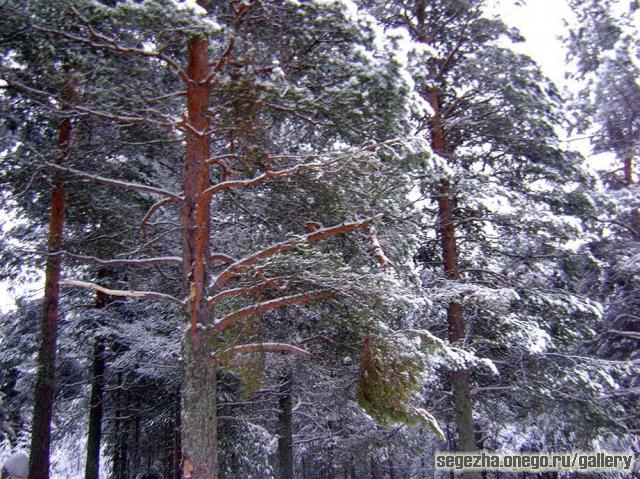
point(229, 320)
point(317, 235)
point(114, 182)
point(120, 292)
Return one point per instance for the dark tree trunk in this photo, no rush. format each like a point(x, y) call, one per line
point(177, 447)
point(392, 471)
point(285, 429)
point(94, 435)
point(628, 171)
point(45, 378)
point(120, 438)
point(199, 415)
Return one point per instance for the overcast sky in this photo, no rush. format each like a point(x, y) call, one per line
point(541, 23)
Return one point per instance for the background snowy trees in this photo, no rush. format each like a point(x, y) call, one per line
point(314, 239)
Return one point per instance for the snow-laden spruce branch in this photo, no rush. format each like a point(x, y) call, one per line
point(261, 347)
point(317, 235)
point(222, 324)
point(114, 182)
point(173, 260)
point(121, 292)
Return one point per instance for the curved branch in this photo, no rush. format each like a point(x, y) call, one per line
point(155, 207)
point(229, 320)
point(267, 175)
point(316, 235)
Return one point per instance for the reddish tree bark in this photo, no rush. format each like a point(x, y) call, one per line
point(199, 415)
point(45, 378)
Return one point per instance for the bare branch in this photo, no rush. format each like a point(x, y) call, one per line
point(260, 347)
point(118, 292)
point(267, 175)
point(232, 293)
point(316, 235)
point(174, 260)
point(224, 258)
point(114, 182)
point(153, 209)
point(628, 334)
point(229, 320)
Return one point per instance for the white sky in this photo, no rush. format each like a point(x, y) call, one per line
point(541, 22)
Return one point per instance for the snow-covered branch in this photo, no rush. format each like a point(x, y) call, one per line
point(223, 258)
point(316, 235)
point(376, 248)
point(232, 293)
point(174, 260)
point(627, 334)
point(271, 347)
point(114, 182)
point(120, 292)
point(229, 320)
point(155, 207)
point(267, 175)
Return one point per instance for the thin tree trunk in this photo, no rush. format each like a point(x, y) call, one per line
point(45, 378)
point(199, 415)
point(115, 460)
point(628, 171)
point(94, 435)
point(285, 429)
point(177, 446)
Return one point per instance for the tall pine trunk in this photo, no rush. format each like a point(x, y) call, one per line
point(285, 429)
point(94, 435)
point(460, 379)
point(199, 415)
point(45, 378)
